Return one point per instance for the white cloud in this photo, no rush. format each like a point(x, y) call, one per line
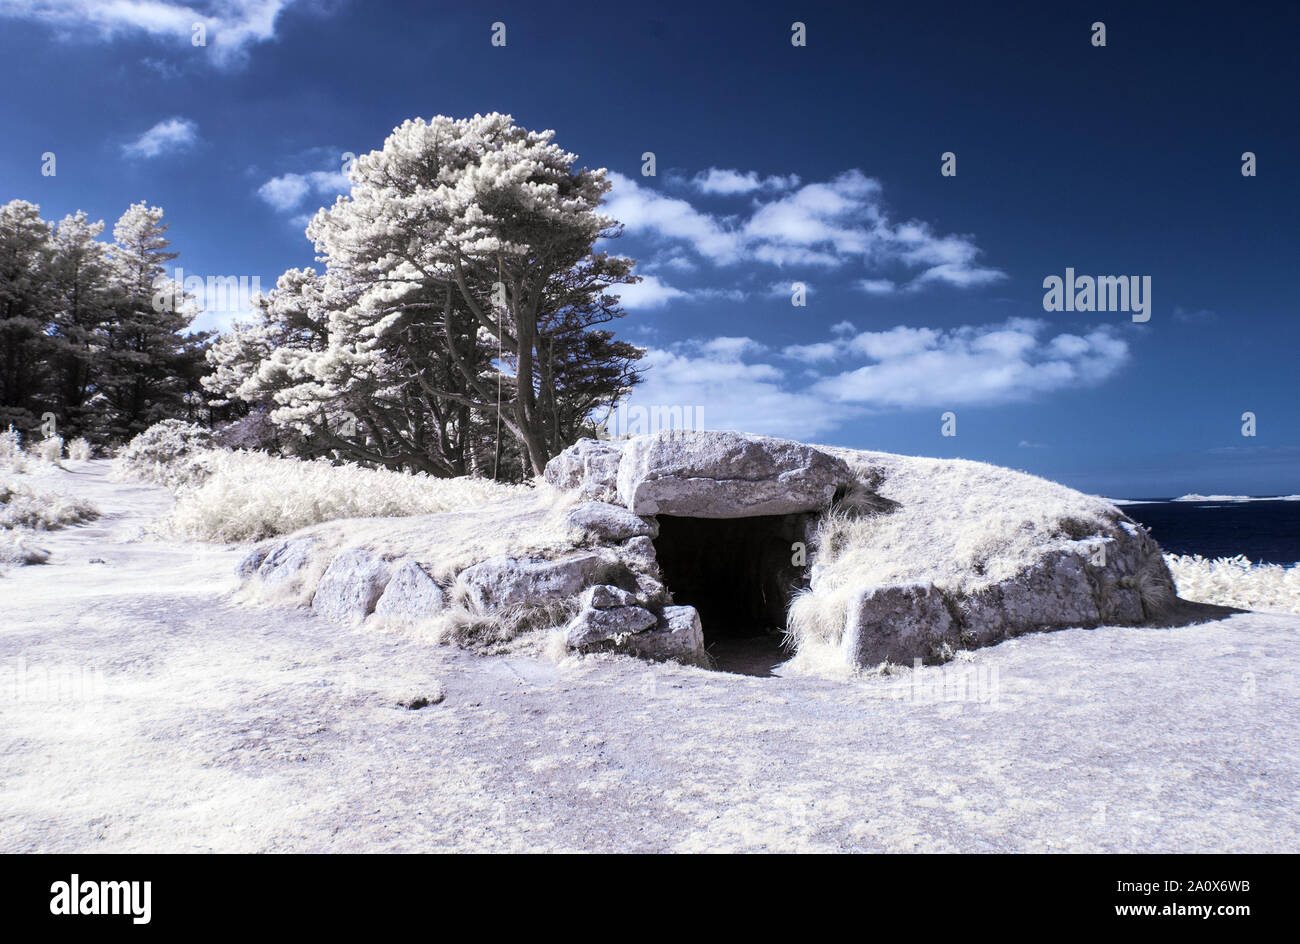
point(285, 192)
point(822, 215)
point(786, 255)
point(732, 384)
point(167, 136)
point(892, 344)
point(1068, 345)
point(650, 292)
point(959, 275)
point(724, 392)
point(814, 353)
point(231, 27)
point(731, 349)
point(673, 260)
point(725, 181)
point(785, 289)
point(720, 294)
point(654, 292)
point(826, 224)
point(640, 208)
point(986, 364)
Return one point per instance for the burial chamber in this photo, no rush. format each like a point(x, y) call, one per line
point(692, 546)
point(955, 554)
point(733, 516)
point(740, 575)
point(737, 572)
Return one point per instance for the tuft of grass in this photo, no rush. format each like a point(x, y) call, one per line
point(18, 550)
point(12, 458)
point(434, 695)
point(79, 450)
point(463, 626)
point(1236, 581)
point(11, 444)
point(48, 450)
point(22, 506)
point(249, 496)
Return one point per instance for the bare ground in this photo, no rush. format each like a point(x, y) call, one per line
point(141, 709)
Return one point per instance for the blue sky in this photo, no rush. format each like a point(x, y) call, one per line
point(779, 164)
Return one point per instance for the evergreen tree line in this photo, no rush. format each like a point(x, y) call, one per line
point(92, 331)
point(456, 327)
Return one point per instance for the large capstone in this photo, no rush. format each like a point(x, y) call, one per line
point(707, 474)
point(726, 475)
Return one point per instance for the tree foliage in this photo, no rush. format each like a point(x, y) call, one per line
point(82, 335)
point(455, 327)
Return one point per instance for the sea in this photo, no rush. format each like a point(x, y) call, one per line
point(1266, 530)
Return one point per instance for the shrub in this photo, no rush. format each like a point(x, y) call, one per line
point(79, 450)
point(24, 507)
point(11, 451)
point(11, 446)
point(252, 432)
point(172, 453)
point(49, 449)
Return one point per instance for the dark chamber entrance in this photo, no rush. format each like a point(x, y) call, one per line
point(737, 573)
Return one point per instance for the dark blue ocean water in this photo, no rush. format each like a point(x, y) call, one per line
point(1265, 531)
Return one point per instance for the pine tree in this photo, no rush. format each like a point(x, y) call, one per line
point(146, 354)
point(25, 255)
point(461, 285)
point(82, 297)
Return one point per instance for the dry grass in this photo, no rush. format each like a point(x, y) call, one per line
point(16, 548)
point(48, 450)
point(79, 450)
point(12, 458)
point(25, 508)
point(1235, 581)
point(249, 496)
point(461, 625)
point(22, 506)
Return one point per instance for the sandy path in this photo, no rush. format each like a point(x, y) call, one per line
point(198, 724)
